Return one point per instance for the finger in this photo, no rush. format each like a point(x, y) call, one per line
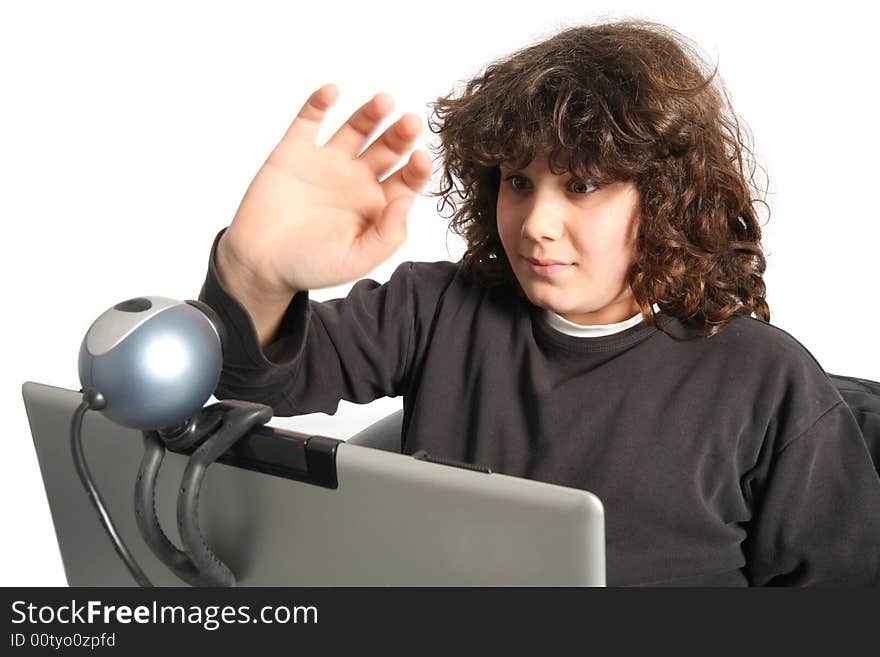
point(385, 235)
point(353, 133)
point(307, 123)
point(410, 178)
point(385, 151)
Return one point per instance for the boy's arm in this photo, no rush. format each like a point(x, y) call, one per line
point(265, 308)
point(816, 517)
point(356, 348)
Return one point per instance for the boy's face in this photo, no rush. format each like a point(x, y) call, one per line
point(592, 231)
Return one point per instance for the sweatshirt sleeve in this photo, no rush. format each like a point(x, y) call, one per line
point(358, 348)
point(817, 510)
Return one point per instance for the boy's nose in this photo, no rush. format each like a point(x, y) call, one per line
point(542, 223)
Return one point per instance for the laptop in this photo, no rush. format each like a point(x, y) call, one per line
point(372, 517)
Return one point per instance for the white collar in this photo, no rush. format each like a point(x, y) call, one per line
point(593, 330)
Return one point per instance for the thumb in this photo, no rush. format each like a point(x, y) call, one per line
point(388, 232)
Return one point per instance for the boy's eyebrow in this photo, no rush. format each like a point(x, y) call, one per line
point(572, 174)
point(511, 167)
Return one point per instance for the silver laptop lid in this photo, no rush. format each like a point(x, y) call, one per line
point(391, 520)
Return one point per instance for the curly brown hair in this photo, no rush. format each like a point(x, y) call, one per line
point(623, 101)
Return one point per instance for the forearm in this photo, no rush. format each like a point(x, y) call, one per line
point(265, 307)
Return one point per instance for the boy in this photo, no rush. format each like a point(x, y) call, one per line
point(597, 333)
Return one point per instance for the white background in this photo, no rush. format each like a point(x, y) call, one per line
point(129, 134)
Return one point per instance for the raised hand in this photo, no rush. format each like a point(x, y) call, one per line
point(316, 216)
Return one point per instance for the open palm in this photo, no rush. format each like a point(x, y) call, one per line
point(316, 216)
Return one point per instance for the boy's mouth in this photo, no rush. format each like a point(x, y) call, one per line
point(546, 263)
point(547, 267)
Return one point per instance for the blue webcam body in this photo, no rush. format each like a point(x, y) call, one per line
point(155, 360)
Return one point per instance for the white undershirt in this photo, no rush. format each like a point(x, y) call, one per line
point(592, 330)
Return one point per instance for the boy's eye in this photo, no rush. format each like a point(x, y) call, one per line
point(582, 187)
point(577, 186)
point(517, 182)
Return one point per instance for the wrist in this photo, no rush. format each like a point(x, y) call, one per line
point(243, 274)
point(265, 306)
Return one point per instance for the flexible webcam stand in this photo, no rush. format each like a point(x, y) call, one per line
point(212, 431)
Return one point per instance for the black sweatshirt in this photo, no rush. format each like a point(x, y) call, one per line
point(725, 461)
